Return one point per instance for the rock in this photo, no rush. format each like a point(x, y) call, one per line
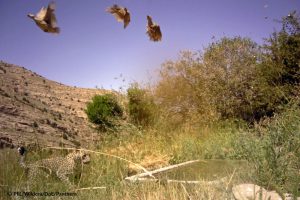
point(24, 123)
point(253, 192)
point(6, 142)
point(288, 196)
point(9, 110)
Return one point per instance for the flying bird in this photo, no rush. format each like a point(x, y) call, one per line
point(45, 19)
point(120, 13)
point(153, 30)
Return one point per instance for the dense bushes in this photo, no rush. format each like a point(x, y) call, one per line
point(280, 67)
point(279, 165)
point(231, 68)
point(218, 83)
point(233, 78)
point(103, 110)
point(141, 106)
point(182, 93)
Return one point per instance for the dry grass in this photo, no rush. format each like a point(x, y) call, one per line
point(104, 177)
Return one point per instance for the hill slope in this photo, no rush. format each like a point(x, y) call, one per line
point(36, 110)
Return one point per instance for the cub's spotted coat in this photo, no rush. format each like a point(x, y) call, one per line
point(61, 166)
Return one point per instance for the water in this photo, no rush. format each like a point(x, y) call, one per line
point(204, 170)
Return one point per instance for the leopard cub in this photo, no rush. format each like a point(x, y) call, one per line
point(61, 166)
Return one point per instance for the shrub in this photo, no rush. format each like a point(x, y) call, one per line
point(141, 106)
point(26, 100)
point(273, 151)
point(182, 93)
point(35, 125)
point(103, 110)
point(280, 166)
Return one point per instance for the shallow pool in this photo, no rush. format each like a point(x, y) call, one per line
point(203, 170)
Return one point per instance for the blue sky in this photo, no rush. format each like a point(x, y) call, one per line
point(93, 48)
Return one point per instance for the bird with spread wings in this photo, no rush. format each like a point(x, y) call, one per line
point(120, 13)
point(45, 19)
point(153, 30)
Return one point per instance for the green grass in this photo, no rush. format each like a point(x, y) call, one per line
point(271, 148)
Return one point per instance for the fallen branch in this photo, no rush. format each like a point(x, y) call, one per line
point(89, 188)
point(3, 185)
point(230, 179)
point(186, 192)
point(215, 182)
point(161, 170)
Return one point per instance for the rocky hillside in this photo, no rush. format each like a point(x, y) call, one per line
point(35, 110)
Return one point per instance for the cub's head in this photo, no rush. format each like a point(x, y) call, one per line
point(80, 156)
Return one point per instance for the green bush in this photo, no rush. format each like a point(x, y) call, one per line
point(103, 110)
point(141, 106)
point(272, 148)
point(280, 165)
point(279, 70)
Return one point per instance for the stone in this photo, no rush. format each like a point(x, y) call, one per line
point(288, 196)
point(253, 192)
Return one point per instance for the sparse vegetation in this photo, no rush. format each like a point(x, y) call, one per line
point(65, 136)
point(25, 100)
point(35, 125)
point(59, 116)
point(3, 70)
point(5, 94)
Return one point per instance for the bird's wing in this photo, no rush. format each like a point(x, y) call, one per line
point(126, 19)
point(119, 17)
point(158, 33)
point(117, 12)
point(150, 23)
point(53, 21)
point(50, 16)
point(113, 8)
point(154, 32)
point(122, 11)
point(149, 32)
point(41, 14)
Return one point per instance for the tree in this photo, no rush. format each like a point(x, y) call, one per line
point(280, 66)
point(231, 67)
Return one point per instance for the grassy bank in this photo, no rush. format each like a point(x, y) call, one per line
point(274, 160)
